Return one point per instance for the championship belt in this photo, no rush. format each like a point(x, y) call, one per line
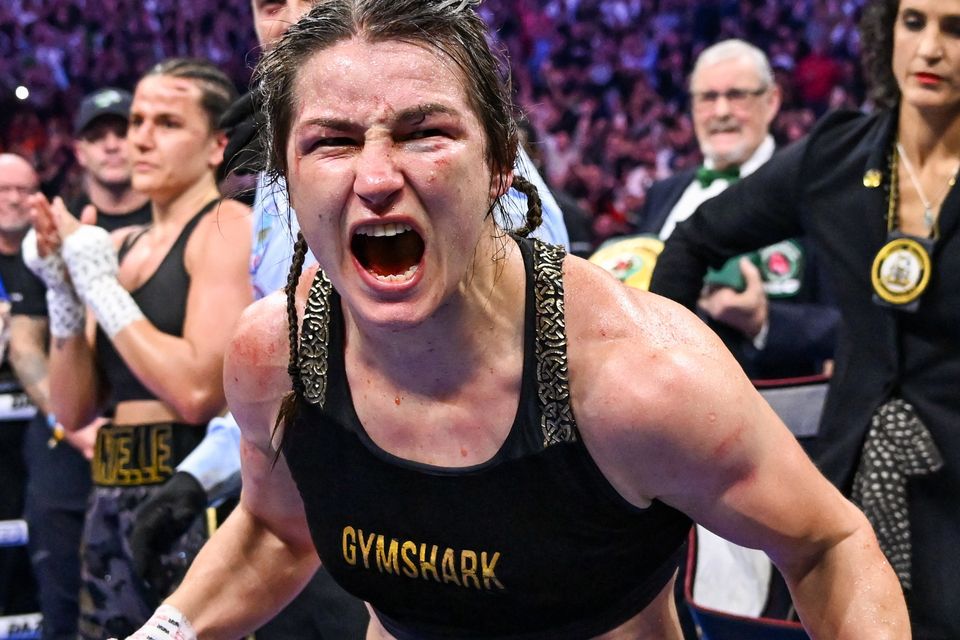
point(630, 259)
point(901, 271)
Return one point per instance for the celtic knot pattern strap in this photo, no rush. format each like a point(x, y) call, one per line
point(553, 388)
point(315, 340)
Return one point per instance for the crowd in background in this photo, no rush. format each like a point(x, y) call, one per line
point(603, 82)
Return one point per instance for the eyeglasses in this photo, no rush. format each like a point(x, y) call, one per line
point(734, 97)
point(13, 188)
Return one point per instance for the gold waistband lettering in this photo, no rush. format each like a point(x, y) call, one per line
point(465, 568)
point(125, 457)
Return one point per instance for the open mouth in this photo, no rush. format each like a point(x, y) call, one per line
point(390, 252)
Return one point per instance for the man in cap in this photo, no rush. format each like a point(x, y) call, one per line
point(100, 130)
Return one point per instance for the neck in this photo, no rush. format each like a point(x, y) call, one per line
point(113, 199)
point(928, 134)
point(177, 208)
point(467, 334)
point(10, 242)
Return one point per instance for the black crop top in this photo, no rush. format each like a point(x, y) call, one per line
point(534, 543)
point(163, 301)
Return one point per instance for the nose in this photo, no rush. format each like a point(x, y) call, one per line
point(112, 141)
point(378, 180)
point(140, 135)
point(931, 47)
point(721, 107)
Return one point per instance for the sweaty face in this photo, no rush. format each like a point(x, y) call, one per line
point(102, 151)
point(172, 146)
point(272, 17)
point(387, 175)
point(926, 53)
point(732, 110)
point(17, 182)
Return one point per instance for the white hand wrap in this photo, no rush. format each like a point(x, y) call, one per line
point(92, 263)
point(64, 309)
point(166, 623)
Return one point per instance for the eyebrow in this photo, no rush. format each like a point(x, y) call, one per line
point(413, 115)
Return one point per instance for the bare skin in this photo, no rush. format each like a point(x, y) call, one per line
point(445, 341)
point(698, 410)
point(174, 154)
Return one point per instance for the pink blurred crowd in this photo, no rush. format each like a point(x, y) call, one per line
point(602, 82)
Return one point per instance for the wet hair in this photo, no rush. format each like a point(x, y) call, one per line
point(450, 28)
point(217, 91)
point(731, 50)
point(876, 33)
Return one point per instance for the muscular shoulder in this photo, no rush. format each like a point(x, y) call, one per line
point(646, 376)
point(255, 367)
point(228, 225)
point(632, 327)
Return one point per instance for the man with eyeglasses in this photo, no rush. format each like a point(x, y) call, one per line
point(23, 298)
point(767, 306)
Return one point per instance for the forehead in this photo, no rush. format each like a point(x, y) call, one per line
point(730, 72)
point(165, 93)
point(17, 173)
point(364, 77)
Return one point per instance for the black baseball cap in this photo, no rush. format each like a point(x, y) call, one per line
point(105, 102)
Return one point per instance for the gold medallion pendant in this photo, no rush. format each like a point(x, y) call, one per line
point(901, 271)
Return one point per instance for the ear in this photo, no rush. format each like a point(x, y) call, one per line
point(775, 100)
point(80, 153)
point(500, 183)
point(217, 148)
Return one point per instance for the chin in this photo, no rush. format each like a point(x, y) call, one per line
point(727, 155)
point(396, 317)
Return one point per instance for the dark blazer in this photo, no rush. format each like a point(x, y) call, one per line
point(661, 198)
point(803, 328)
point(816, 188)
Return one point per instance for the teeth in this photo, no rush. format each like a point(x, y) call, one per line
point(382, 230)
point(406, 275)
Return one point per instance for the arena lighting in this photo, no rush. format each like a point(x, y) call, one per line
point(22, 92)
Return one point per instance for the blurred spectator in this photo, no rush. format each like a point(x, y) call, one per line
point(600, 79)
point(59, 480)
point(22, 297)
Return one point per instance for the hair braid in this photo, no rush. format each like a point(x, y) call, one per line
point(288, 406)
point(534, 206)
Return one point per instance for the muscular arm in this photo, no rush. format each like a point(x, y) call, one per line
point(263, 555)
point(185, 371)
point(691, 431)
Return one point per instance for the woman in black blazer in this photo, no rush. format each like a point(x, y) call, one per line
point(875, 195)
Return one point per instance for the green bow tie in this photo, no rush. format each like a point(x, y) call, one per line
point(706, 176)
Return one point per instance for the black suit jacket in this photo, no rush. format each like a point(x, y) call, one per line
point(817, 188)
point(802, 328)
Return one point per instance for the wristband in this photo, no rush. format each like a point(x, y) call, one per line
point(66, 313)
point(64, 309)
point(92, 263)
point(166, 623)
point(50, 268)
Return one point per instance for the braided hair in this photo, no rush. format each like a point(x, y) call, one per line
point(217, 91)
point(451, 28)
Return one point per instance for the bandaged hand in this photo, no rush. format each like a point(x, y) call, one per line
point(92, 264)
point(65, 310)
point(167, 623)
